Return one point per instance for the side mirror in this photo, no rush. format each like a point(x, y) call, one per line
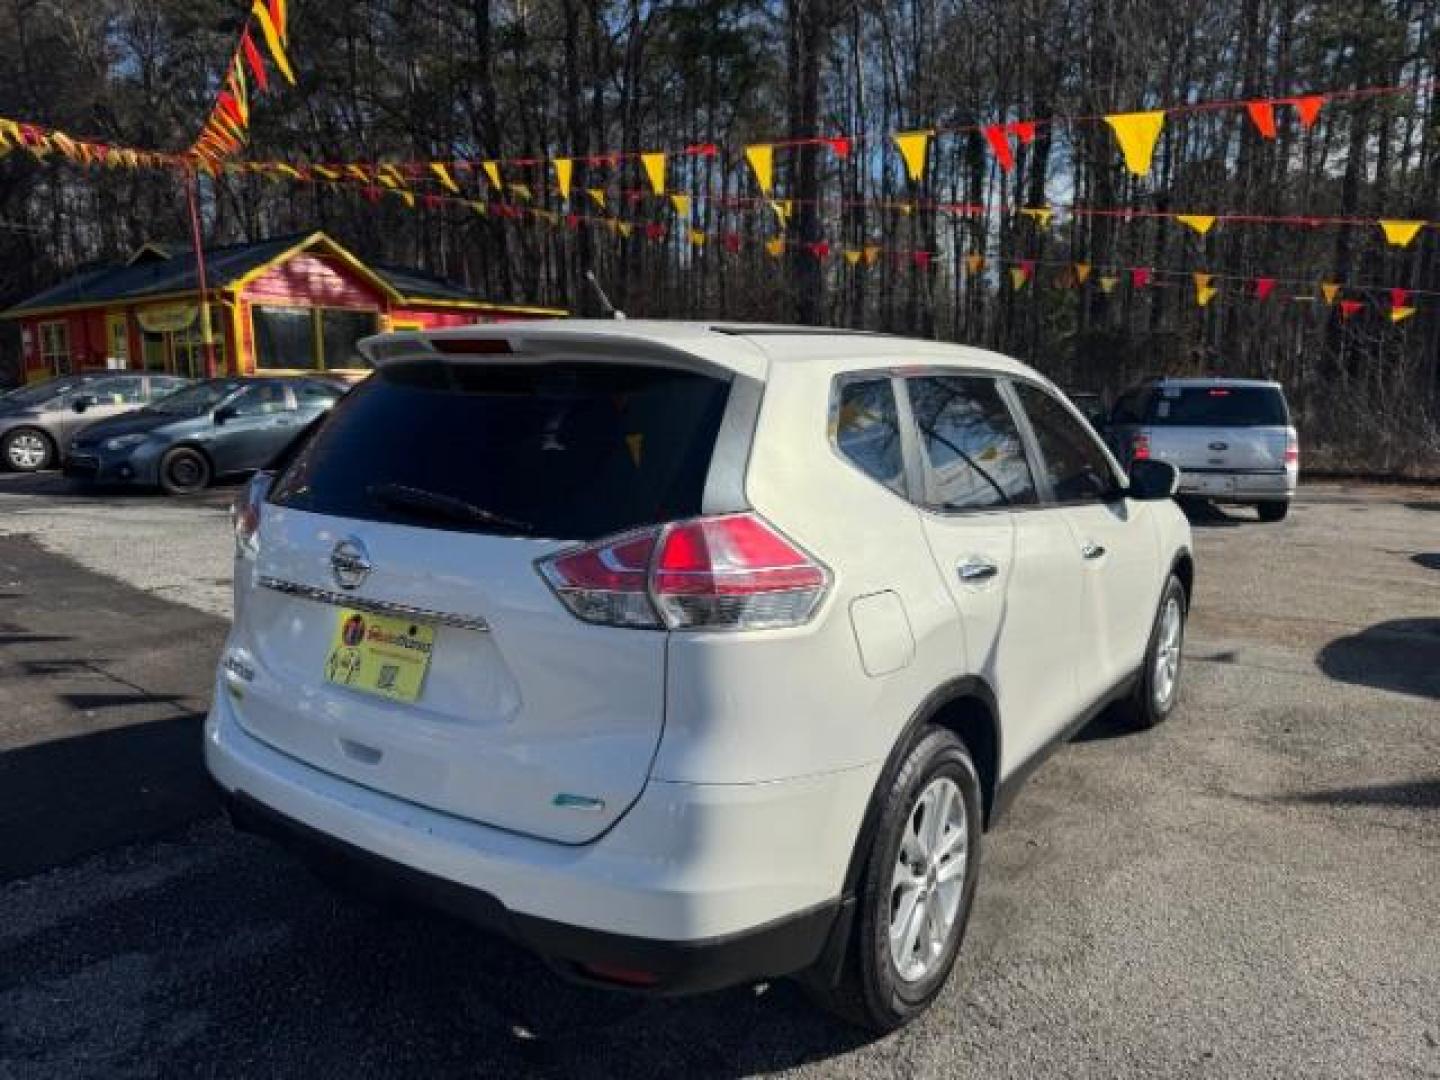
point(1151, 480)
point(82, 402)
point(225, 414)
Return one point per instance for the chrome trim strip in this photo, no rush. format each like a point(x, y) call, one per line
point(375, 607)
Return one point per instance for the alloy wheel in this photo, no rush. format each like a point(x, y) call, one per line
point(928, 880)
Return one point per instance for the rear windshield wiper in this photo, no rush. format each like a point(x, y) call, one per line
point(433, 503)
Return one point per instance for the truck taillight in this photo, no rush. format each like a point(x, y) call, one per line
point(1292, 450)
point(730, 572)
point(1140, 448)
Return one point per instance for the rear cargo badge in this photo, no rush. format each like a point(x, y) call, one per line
point(350, 564)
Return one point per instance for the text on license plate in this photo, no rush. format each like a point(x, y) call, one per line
point(380, 654)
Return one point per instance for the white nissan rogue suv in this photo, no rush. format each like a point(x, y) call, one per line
point(688, 655)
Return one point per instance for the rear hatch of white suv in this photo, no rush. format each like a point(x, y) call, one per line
point(399, 632)
point(1215, 432)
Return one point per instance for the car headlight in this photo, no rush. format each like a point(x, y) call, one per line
point(121, 442)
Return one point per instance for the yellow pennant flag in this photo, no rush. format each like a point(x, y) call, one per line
point(697, 237)
point(853, 256)
point(274, 39)
point(1400, 233)
point(1039, 214)
point(1202, 280)
point(326, 172)
point(1201, 223)
point(480, 208)
point(521, 191)
point(1400, 314)
point(624, 228)
point(1137, 134)
point(775, 247)
point(681, 203)
point(1018, 277)
point(597, 196)
point(1204, 295)
point(655, 170)
point(446, 179)
point(1108, 283)
point(358, 173)
point(913, 147)
point(564, 170)
point(492, 172)
point(761, 157)
point(907, 208)
point(1082, 273)
point(975, 262)
point(872, 254)
point(1330, 291)
point(408, 197)
point(782, 209)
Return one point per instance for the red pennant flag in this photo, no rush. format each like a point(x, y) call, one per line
point(1027, 267)
point(1262, 113)
point(572, 221)
point(432, 202)
point(1308, 108)
point(921, 259)
point(1264, 287)
point(1024, 130)
point(372, 193)
point(1399, 297)
point(840, 145)
point(706, 150)
point(655, 231)
point(1000, 145)
point(820, 249)
point(731, 242)
point(1350, 307)
point(1140, 277)
point(255, 61)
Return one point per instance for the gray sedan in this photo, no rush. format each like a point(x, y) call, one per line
point(38, 422)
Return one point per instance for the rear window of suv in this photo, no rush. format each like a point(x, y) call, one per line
point(563, 451)
point(1219, 406)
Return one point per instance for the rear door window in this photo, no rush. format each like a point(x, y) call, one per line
point(970, 446)
point(1219, 406)
point(867, 429)
point(567, 451)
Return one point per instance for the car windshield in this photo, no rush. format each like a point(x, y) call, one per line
point(194, 400)
point(26, 396)
point(1219, 406)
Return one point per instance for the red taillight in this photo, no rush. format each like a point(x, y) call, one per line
point(733, 572)
point(245, 515)
point(1140, 448)
point(472, 346)
point(1292, 450)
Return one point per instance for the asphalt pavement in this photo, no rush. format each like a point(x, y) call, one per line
point(1249, 890)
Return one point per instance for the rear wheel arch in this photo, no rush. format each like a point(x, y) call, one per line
point(1183, 567)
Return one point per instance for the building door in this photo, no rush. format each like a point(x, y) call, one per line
point(117, 341)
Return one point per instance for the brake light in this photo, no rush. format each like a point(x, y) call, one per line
point(1292, 450)
point(245, 515)
point(731, 572)
point(1140, 448)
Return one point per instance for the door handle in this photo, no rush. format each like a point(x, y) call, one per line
point(1092, 550)
point(974, 571)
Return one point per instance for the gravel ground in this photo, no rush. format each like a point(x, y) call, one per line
point(1246, 891)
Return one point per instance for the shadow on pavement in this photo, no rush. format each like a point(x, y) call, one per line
point(1423, 505)
point(1414, 794)
point(1206, 515)
point(1402, 655)
point(1429, 560)
point(67, 798)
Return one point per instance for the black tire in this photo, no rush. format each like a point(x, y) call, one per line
point(871, 991)
point(184, 471)
point(19, 449)
point(1147, 707)
point(1272, 511)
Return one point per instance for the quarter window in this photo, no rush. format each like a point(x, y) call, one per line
point(973, 455)
point(867, 430)
point(1074, 463)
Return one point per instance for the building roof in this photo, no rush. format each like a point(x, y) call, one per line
point(155, 275)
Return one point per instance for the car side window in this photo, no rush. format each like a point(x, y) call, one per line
point(1074, 462)
point(974, 458)
point(161, 386)
point(263, 400)
point(313, 395)
point(866, 425)
point(120, 390)
point(1130, 408)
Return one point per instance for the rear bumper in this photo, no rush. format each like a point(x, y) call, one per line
point(697, 887)
point(658, 966)
point(1239, 487)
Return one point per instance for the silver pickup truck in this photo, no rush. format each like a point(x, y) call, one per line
point(1231, 439)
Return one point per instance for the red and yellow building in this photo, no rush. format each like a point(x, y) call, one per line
point(292, 304)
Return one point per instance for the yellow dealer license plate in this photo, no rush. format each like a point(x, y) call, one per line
point(379, 654)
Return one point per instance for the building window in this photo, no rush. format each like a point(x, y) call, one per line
point(119, 353)
point(55, 347)
point(190, 348)
point(310, 339)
